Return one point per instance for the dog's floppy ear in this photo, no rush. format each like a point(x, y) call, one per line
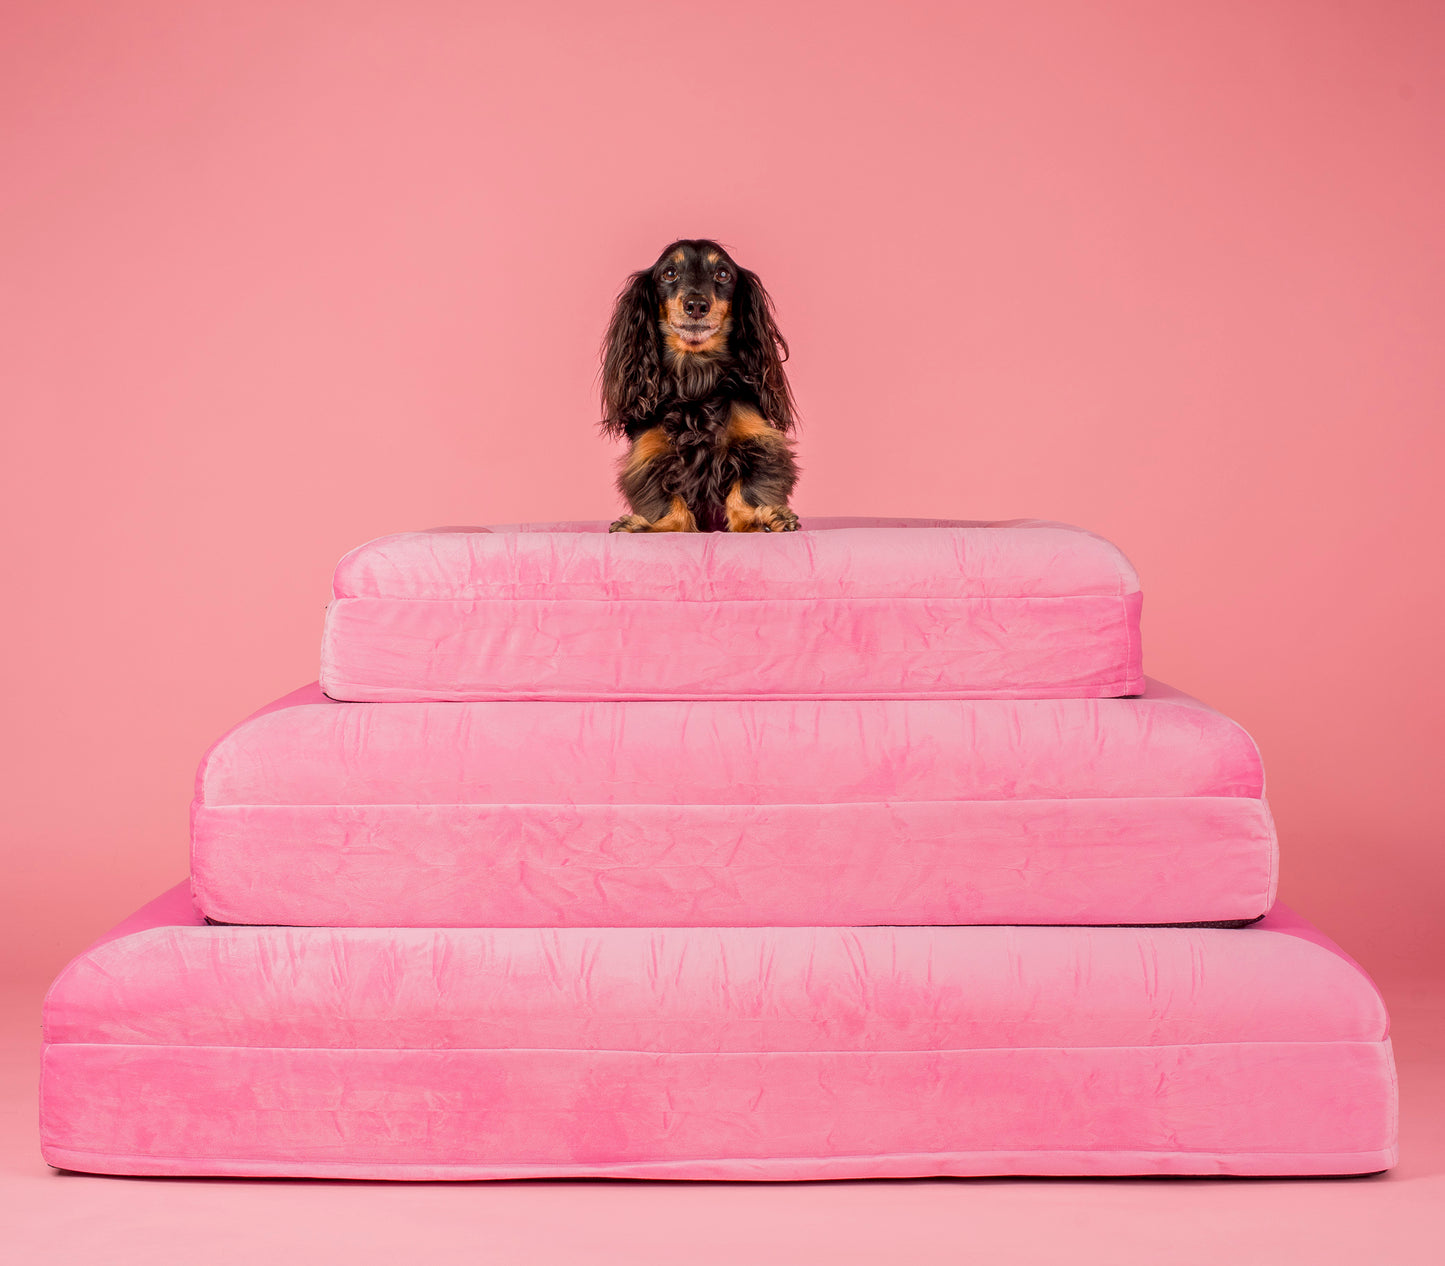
point(631, 361)
point(760, 350)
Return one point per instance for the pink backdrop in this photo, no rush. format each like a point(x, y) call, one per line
point(279, 278)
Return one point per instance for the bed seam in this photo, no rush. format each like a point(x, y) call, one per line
point(626, 1050)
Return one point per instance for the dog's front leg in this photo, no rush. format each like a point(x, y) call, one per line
point(644, 481)
point(743, 516)
point(677, 519)
point(630, 523)
point(763, 457)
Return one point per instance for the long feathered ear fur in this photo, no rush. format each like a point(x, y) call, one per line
point(631, 361)
point(760, 350)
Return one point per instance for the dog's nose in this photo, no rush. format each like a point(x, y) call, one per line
point(695, 306)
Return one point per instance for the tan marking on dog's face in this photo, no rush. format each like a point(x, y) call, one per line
point(685, 343)
point(695, 270)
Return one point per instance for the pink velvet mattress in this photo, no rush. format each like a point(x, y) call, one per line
point(750, 1053)
point(770, 812)
point(845, 609)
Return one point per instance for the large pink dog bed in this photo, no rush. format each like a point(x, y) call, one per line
point(846, 608)
point(771, 1053)
point(791, 812)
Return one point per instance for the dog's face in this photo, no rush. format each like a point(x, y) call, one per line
point(680, 327)
point(695, 282)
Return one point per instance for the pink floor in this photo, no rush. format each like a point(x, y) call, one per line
point(1399, 1218)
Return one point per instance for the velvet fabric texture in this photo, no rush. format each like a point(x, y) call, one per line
point(783, 812)
point(177, 1048)
point(705, 857)
point(846, 608)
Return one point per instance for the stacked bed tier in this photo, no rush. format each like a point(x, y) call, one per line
point(768, 1053)
point(848, 608)
point(781, 812)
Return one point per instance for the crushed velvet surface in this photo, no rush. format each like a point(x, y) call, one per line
point(1146, 810)
point(846, 608)
point(178, 1048)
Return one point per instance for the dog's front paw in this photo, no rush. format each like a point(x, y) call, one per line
point(780, 519)
point(630, 523)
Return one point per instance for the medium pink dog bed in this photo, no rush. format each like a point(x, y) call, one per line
point(782, 812)
point(846, 608)
point(752, 1053)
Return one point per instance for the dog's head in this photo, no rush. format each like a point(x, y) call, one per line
point(693, 310)
point(694, 283)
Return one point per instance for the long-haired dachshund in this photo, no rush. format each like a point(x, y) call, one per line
point(692, 376)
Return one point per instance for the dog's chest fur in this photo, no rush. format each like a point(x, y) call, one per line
point(706, 462)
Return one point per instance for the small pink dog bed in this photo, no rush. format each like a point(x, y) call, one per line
point(753, 1053)
point(790, 812)
point(845, 609)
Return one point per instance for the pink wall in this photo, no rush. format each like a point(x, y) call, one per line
point(281, 277)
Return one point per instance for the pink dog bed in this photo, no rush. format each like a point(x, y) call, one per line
point(846, 609)
point(782, 812)
point(761, 1053)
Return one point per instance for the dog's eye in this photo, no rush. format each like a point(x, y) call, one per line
point(669, 274)
point(722, 276)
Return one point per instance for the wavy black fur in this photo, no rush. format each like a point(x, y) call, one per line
point(689, 410)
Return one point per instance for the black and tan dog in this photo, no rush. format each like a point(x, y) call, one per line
point(692, 376)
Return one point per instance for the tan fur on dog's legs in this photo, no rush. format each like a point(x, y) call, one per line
point(743, 517)
point(677, 519)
